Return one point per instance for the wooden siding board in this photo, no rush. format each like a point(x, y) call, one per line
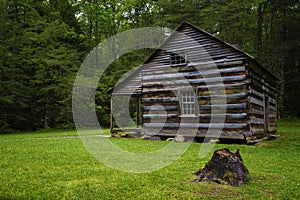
point(261, 88)
point(227, 115)
point(160, 100)
point(176, 74)
point(223, 106)
point(200, 125)
point(160, 108)
point(220, 86)
point(256, 112)
point(157, 116)
point(256, 101)
point(196, 81)
point(168, 132)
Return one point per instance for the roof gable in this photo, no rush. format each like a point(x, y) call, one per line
point(183, 39)
point(216, 48)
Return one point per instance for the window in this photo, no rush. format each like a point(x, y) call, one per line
point(188, 107)
point(177, 59)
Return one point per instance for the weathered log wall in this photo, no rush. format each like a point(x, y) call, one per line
point(263, 111)
point(163, 82)
point(233, 92)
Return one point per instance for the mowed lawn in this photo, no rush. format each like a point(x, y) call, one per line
point(56, 165)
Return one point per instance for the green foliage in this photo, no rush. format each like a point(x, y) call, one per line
point(38, 67)
point(42, 44)
point(56, 165)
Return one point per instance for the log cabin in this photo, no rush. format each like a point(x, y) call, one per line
point(197, 85)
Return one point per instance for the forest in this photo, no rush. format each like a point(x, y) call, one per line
point(44, 42)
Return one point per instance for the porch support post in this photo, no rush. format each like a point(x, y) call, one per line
point(111, 114)
point(137, 112)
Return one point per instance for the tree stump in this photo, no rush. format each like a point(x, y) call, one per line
point(224, 167)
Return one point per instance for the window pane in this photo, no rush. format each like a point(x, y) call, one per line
point(188, 103)
point(185, 109)
point(177, 58)
point(192, 108)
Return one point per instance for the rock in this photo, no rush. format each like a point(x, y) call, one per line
point(179, 138)
point(148, 137)
point(116, 135)
point(128, 135)
point(214, 141)
point(170, 139)
point(272, 137)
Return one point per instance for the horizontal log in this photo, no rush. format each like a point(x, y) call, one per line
point(152, 68)
point(200, 72)
point(228, 96)
point(207, 89)
point(255, 120)
point(268, 91)
point(225, 62)
point(218, 79)
point(200, 134)
point(256, 83)
point(226, 134)
point(166, 120)
point(272, 101)
point(193, 125)
point(257, 131)
point(159, 69)
point(272, 129)
point(225, 120)
point(193, 56)
point(262, 80)
point(257, 101)
point(272, 121)
point(227, 115)
point(221, 92)
point(261, 95)
point(256, 93)
point(222, 86)
point(164, 116)
point(259, 126)
point(273, 108)
point(261, 103)
point(186, 133)
point(160, 108)
point(272, 116)
point(221, 101)
point(223, 106)
point(197, 81)
point(183, 44)
point(223, 70)
point(152, 90)
point(272, 112)
point(160, 100)
point(256, 111)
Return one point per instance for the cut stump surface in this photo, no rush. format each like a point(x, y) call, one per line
point(224, 167)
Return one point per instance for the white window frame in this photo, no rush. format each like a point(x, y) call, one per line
point(188, 103)
point(179, 58)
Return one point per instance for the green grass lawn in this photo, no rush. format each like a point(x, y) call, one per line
point(56, 165)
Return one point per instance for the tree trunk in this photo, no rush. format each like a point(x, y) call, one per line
point(259, 30)
point(224, 167)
